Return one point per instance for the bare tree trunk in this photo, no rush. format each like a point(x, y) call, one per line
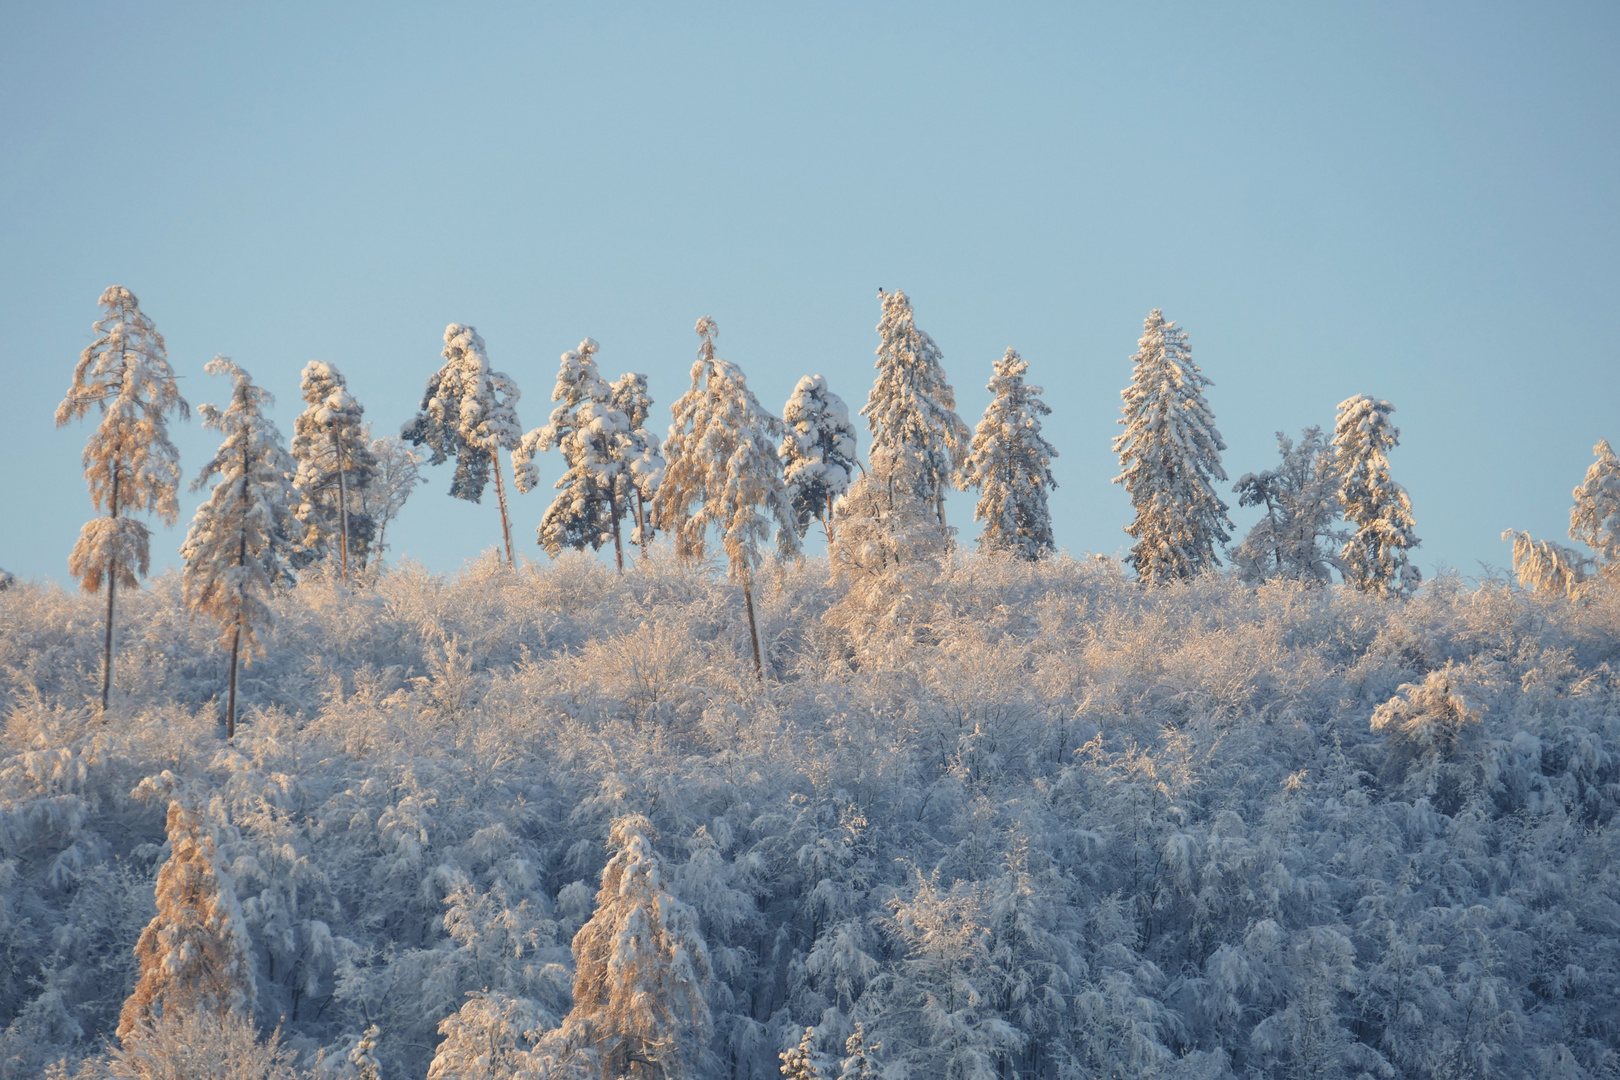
point(230, 701)
point(236, 631)
point(753, 627)
point(613, 508)
point(343, 504)
point(641, 522)
point(826, 522)
point(500, 495)
point(112, 584)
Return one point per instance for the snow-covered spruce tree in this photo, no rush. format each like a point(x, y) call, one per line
point(1544, 566)
point(594, 438)
point(641, 971)
point(194, 955)
point(335, 464)
point(644, 461)
point(1296, 540)
point(469, 412)
point(397, 474)
point(1375, 558)
point(1594, 520)
point(129, 462)
point(721, 458)
point(236, 550)
point(799, 1063)
point(912, 408)
point(1170, 456)
point(858, 1062)
point(363, 1056)
point(818, 452)
point(1009, 463)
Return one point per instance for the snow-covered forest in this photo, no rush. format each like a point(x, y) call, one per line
point(680, 801)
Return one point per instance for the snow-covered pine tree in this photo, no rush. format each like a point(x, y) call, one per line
point(335, 465)
point(129, 462)
point(641, 969)
point(858, 1063)
point(194, 955)
point(469, 411)
point(398, 473)
point(912, 408)
point(1594, 520)
point(721, 457)
point(639, 483)
point(594, 438)
point(1009, 462)
point(1375, 558)
point(363, 1056)
point(1170, 456)
point(1301, 497)
point(237, 547)
point(799, 1063)
point(818, 452)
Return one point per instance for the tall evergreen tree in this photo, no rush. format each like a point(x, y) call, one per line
point(1009, 462)
point(469, 411)
point(912, 408)
point(644, 461)
point(594, 438)
point(1594, 520)
point(1375, 558)
point(335, 466)
point(1170, 456)
point(721, 458)
point(818, 452)
point(194, 955)
point(641, 969)
point(1301, 497)
point(236, 550)
point(129, 462)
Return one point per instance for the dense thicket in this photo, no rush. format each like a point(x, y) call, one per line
point(1059, 825)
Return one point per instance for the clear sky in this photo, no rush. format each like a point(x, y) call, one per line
point(1415, 201)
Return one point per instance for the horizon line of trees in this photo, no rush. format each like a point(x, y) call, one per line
point(733, 466)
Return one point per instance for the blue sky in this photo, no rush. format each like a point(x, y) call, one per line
point(1412, 201)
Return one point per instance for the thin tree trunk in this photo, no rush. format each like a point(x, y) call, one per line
point(826, 522)
point(236, 631)
point(230, 701)
point(112, 584)
point(343, 504)
point(641, 522)
point(753, 627)
point(613, 508)
point(500, 495)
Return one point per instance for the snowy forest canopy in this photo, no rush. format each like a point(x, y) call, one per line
point(715, 809)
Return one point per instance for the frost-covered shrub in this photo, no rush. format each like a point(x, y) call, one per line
point(1152, 818)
